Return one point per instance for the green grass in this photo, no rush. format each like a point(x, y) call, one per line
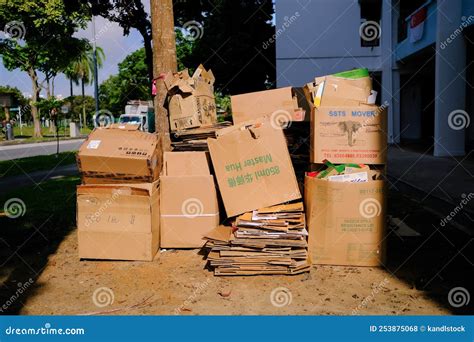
point(26, 165)
point(26, 134)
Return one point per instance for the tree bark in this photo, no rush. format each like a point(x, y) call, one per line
point(34, 107)
point(83, 104)
point(164, 61)
point(7, 113)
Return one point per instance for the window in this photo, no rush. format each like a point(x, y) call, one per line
point(370, 15)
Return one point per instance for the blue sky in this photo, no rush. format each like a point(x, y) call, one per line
point(109, 37)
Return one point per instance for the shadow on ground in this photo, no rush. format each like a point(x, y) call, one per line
point(47, 216)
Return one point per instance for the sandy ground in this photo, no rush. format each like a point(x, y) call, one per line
point(178, 283)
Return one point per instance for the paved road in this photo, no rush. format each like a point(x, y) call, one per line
point(38, 149)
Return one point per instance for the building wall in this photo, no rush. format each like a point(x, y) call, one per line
point(319, 37)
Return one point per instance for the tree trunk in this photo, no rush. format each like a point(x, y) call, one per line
point(164, 60)
point(83, 104)
point(52, 123)
point(7, 113)
point(33, 104)
point(71, 88)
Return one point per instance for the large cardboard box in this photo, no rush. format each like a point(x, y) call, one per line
point(119, 154)
point(345, 222)
point(283, 105)
point(189, 207)
point(253, 166)
point(191, 99)
point(119, 221)
point(355, 134)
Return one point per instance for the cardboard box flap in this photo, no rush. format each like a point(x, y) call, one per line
point(221, 233)
point(185, 164)
point(201, 73)
point(180, 80)
point(253, 166)
point(139, 189)
point(127, 127)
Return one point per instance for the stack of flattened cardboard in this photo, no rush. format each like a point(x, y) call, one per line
point(195, 139)
point(270, 240)
point(118, 211)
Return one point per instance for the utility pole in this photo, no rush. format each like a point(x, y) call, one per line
point(164, 61)
point(96, 72)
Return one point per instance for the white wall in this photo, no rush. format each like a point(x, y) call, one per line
point(323, 39)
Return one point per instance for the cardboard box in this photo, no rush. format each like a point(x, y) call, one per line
point(191, 101)
point(120, 221)
point(253, 166)
point(120, 154)
point(189, 208)
point(282, 104)
point(354, 134)
point(345, 222)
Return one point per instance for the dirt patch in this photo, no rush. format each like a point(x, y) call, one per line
point(178, 283)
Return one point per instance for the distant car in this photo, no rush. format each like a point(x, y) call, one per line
point(135, 119)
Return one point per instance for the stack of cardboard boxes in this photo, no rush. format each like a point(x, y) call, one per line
point(135, 199)
point(345, 204)
point(118, 200)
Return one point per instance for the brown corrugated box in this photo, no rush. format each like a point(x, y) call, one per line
point(189, 207)
point(119, 221)
point(253, 166)
point(346, 222)
point(344, 127)
point(191, 99)
point(119, 154)
point(284, 104)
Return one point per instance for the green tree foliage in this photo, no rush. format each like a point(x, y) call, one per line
point(40, 38)
point(233, 40)
point(77, 104)
point(131, 83)
point(129, 14)
point(17, 98)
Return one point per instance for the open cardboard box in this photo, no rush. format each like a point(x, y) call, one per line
point(119, 154)
point(189, 207)
point(346, 222)
point(282, 105)
point(345, 126)
point(253, 166)
point(191, 99)
point(119, 221)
